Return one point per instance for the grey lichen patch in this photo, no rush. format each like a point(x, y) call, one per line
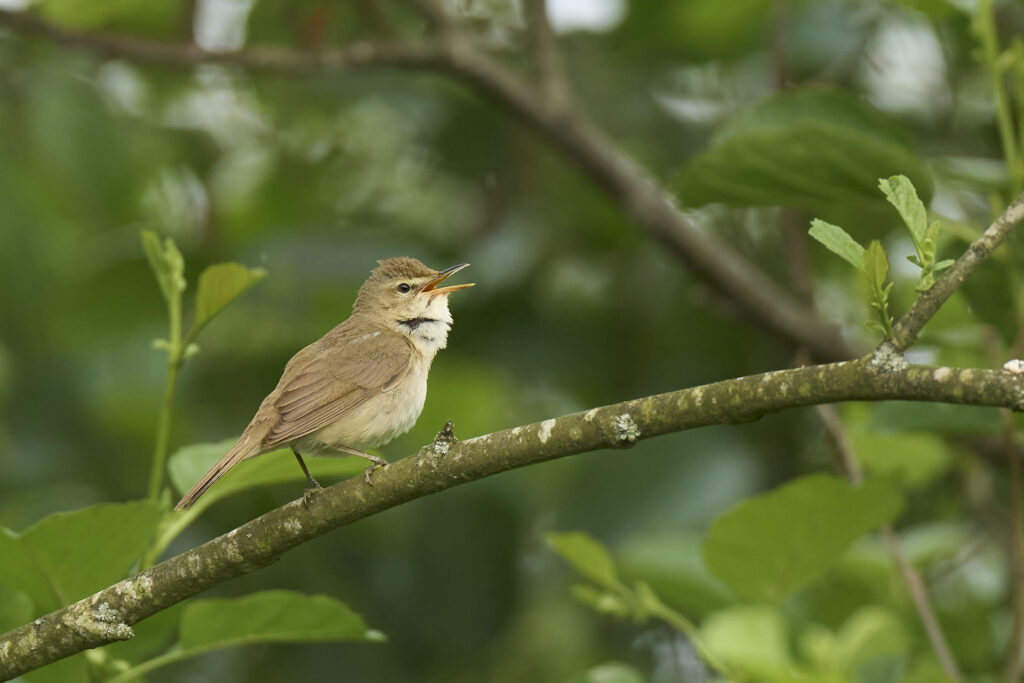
point(888, 359)
point(97, 622)
point(627, 430)
point(444, 440)
point(232, 551)
point(590, 414)
point(544, 433)
point(942, 374)
point(292, 525)
point(136, 589)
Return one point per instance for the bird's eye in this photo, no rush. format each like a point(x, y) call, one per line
point(404, 288)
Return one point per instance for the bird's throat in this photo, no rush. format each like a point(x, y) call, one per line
point(414, 323)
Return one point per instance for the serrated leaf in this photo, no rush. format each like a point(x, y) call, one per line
point(219, 285)
point(900, 192)
point(839, 242)
point(269, 616)
point(767, 547)
point(586, 555)
point(187, 465)
point(809, 148)
point(876, 265)
point(167, 264)
point(82, 551)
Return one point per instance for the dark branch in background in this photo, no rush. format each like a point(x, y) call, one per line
point(548, 57)
point(849, 465)
point(639, 193)
point(927, 305)
point(109, 615)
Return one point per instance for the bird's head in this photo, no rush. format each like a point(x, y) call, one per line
point(404, 293)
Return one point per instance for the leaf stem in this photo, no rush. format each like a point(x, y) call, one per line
point(985, 27)
point(163, 428)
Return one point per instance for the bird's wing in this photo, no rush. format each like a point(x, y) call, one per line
point(335, 380)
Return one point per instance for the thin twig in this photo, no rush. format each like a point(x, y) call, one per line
point(1016, 578)
point(554, 84)
point(1016, 641)
point(927, 305)
point(639, 194)
point(851, 469)
point(919, 595)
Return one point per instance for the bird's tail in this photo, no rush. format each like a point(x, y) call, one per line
point(245, 448)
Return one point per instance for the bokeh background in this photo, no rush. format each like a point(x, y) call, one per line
point(315, 178)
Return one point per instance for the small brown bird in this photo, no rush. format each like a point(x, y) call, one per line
point(361, 384)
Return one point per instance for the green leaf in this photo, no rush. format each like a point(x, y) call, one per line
point(609, 672)
point(839, 242)
point(85, 550)
point(71, 670)
point(900, 192)
point(187, 465)
point(219, 285)
point(752, 640)
point(19, 571)
point(603, 601)
point(876, 267)
point(275, 616)
point(915, 460)
point(991, 293)
point(669, 560)
point(767, 547)
point(586, 555)
point(153, 18)
point(167, 264)
point(16, 608)
point(816, 149)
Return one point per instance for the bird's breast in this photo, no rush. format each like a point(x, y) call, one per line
point(377, 421)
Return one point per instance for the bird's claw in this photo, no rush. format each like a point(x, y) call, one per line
point(378, 463)
point(308, 494)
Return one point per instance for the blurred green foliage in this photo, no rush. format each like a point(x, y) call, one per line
point(313, 179)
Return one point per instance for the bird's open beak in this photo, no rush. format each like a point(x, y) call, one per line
point(433, 288)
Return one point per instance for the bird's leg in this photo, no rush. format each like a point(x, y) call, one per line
point(377, 461)
point(314, 485)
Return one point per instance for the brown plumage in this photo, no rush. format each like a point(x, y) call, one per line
point(361, 384)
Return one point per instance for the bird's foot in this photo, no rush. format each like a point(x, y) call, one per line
point(314, 488)
point(378, 463)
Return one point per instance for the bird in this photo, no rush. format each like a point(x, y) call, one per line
point(360, 385)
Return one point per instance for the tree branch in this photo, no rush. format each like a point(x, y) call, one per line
point(553, 82)
point(928, 303)
point(359, 54)
point(109, 615)
point(640, 194)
